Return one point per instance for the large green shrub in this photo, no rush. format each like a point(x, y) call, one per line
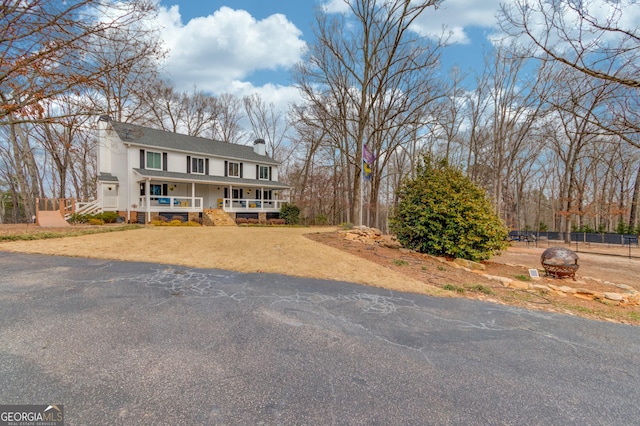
point(290, 213)
point(443, 213)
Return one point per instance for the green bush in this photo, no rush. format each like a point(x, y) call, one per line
point(290, 213)
point(108, 217)
point(76, 218)
point(443, 213)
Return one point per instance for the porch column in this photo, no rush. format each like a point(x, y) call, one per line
point(193, 195)
point(261, 198)
point(147, 196)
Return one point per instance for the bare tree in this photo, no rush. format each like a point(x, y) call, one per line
point(270, 124)
point(200, 113)
point(44, 46)
point(20, 168)
point(137, 51)
point(506, 118)
point(230, 115)
point(162, 105)
point(362, 64)
point(575, 102)
point(449, 114)
point(61, 139)
point(193, 113)
point(578, 35)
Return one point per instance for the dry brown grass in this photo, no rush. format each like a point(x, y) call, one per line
point(323, 253)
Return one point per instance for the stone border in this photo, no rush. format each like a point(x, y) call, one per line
point(630, 296)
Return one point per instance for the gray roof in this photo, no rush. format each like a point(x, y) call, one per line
point(219, 180)
point(107, 177)
point(145, 136)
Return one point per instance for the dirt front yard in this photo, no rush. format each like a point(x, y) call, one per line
point(325, 253)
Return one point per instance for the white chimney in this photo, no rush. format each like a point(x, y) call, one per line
point(103, 122)
point(259, 147)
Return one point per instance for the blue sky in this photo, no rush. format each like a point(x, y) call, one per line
point(247, 46)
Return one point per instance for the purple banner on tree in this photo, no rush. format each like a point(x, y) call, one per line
point(368, 155)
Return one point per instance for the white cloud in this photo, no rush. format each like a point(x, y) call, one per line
point(453, 16)
point(281, 96)
point(336, 6)
point(624, 14)
point(217, 52)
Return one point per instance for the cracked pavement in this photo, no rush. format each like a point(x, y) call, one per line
point(145, 343)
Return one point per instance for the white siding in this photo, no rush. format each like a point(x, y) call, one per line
point(176, 162)
point(118, 159)
point(216, 167)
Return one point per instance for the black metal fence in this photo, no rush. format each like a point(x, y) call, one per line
point(578, 237)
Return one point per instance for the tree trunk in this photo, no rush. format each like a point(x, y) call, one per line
point(633, 214)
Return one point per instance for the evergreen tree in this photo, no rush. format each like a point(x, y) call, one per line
point(443, 213)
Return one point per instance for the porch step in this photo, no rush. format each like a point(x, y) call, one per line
point(217, 217)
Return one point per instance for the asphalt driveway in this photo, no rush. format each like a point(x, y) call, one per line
point(143, 343)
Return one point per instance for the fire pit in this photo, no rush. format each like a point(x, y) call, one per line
point(559, 262)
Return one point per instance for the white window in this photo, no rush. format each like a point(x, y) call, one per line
point(233, 169)
point(154, 160)
point(197, 165)
point(264, 173)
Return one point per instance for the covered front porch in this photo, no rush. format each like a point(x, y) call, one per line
point(168, 194)
point(187, 204)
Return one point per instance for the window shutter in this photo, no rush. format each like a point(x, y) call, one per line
point(164, 161)
point(226, 170)
point(206, 166)
point(257, 171)
point(269, 172)
point(188, 164)
point(240, 170)
point(226, 191)
point(164, 189)
point(142, 158)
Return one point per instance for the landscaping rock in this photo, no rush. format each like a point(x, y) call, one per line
point(616, 297)
point(540, 287)
point(365, 235)
point(520, 285)
point(470, 264)
point(503, 280)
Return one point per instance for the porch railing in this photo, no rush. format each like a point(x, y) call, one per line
point(90, 207)
point(246, 204)
point(158, 203)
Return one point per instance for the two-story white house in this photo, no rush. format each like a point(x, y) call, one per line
point(144, 172)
